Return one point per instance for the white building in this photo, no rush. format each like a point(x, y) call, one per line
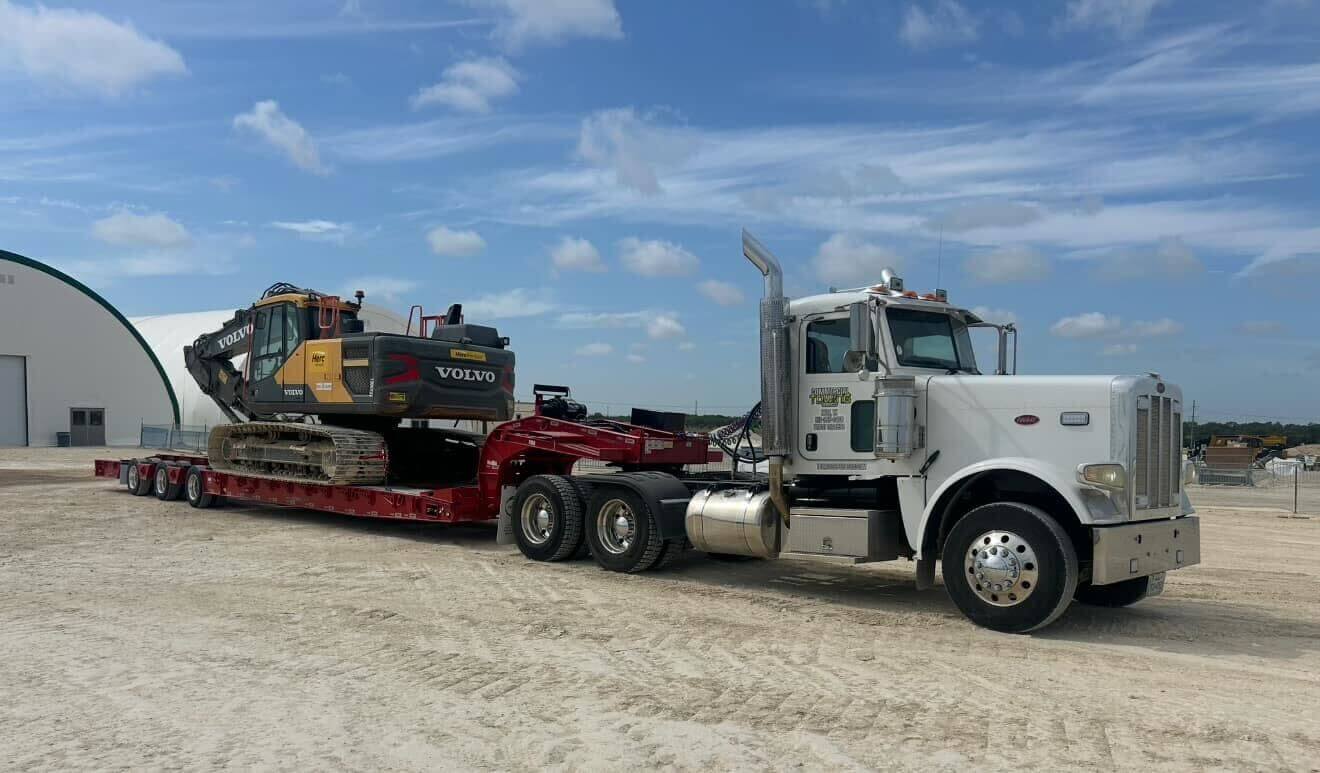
point(70, 362)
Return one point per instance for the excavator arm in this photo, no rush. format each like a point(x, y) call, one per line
point(210, 361)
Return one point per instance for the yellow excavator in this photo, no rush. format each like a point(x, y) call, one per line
point(319, 399)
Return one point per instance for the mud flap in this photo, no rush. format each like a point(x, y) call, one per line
point(504, 531)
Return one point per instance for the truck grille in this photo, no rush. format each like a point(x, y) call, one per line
point(1157, 477)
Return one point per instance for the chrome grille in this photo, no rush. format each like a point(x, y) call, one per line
point(1157, 481)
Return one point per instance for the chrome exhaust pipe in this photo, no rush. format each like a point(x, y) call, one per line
point(775, 429)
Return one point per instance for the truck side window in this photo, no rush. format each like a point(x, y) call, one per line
point(828, 341)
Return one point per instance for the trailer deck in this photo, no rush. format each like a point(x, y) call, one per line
point(512, 452)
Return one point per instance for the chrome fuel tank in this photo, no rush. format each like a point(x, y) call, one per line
point(735, 521)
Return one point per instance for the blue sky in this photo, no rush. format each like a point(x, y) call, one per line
point(1132, 181)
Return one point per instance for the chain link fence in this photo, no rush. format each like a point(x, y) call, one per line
point(1289, 485)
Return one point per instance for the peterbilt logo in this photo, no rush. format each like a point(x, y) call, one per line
point(234, 337)
point(466, 374)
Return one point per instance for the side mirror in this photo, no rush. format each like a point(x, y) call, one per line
point(862, 328)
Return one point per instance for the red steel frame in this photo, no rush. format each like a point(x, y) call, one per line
point(512, 452)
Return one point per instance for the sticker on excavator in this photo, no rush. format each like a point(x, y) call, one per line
point(398, 397)
point(464, 354)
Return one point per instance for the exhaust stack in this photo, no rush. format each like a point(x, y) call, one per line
point(775, 430)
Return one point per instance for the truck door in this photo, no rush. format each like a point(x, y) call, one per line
point(836, 409)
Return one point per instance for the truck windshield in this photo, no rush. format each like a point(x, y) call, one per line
point(927, 339)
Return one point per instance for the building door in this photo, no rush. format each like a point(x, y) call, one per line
point(13, 401)
point(87, 426)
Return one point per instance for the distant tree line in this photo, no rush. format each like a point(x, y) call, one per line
point(1297, 434)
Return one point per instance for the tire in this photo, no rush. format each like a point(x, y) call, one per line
point(161, 486)
point(194, 487)
point(621, 531)
point(138, 486)
point(548, 518)
point(1023, 588)
point(1119, 594)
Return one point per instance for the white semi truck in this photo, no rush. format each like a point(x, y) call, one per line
point(885, 440)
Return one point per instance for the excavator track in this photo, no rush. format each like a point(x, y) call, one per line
point(304, 453)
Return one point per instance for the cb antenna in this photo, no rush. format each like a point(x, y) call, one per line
point(939, 257)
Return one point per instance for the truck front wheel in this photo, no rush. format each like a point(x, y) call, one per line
point(547, 513)
point(1010, 567)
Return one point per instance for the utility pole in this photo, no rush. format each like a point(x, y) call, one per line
point(1191, 445)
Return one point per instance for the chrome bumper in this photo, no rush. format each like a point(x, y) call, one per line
point(1139, 549)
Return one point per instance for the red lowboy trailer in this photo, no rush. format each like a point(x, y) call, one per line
point(536, 453)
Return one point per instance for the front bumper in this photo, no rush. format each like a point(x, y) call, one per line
point(1139, 549)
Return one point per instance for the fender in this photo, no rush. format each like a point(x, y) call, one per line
point(665, 495)
point(1070, 490)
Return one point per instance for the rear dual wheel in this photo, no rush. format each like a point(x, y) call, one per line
point(622, 533)
point(162, 487)
point(137, 484)
point(548, 518)
point(194, 488)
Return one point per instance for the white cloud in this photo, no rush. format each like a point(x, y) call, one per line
point(655, 257)
point(995, 316)
point(131, 230)
point(1159, 327)
point(988, 214)
point(526, 22)
point(664, 326)
point(722, 293)
point(316, 230)
point(1008, 264)
point(596, 349)
point(604, 319)
point(847, 260)
point(635, 359)
point(268, 122)
point(81, 49)
point(572, 254)
point(1172, 259)
point(1096, 325)
point(946, 23)
point(1125, 18)
point(1089, 325)
point(518, 302)
point(687, 346)
point(471, 85)
point(1118, 350)
point(452, 243)
point(632, 146)
point(387, 288)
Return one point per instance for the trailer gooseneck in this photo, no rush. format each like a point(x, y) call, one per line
point(882, 439)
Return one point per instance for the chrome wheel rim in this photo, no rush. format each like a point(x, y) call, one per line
point(194, 487)
point(1001, 568)
point(616, 525)
point(162, 479)
point(133, 478)
point(538, 519)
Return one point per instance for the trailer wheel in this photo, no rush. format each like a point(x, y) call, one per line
point(161, 487)
point(138, 486)
point(194, 486)
point(1010, 567)
point(547, 513)
point(1119, 594)
point(621, 531)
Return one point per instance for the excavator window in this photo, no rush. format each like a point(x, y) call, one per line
point(268, 346)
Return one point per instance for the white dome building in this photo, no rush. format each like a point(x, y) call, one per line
point(71, 363)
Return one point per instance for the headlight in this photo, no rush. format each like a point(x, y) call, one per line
point(1106, 476)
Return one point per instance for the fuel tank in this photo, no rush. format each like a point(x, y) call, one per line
point(736, 521)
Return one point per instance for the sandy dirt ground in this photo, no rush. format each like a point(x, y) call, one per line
point(138, 634)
